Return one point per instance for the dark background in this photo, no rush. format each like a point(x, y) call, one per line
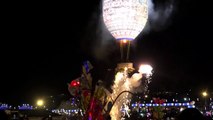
point(43, 46)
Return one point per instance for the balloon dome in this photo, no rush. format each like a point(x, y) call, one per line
point(125, 19)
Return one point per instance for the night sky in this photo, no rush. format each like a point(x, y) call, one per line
point(43, 46)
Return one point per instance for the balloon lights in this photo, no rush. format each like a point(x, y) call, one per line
point(125, 19)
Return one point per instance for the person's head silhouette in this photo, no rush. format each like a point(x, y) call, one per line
point(190, 114)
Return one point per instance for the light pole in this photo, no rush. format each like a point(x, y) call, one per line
point(40, 103)
point(205, 94)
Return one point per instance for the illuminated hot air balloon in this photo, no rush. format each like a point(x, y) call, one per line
point(125, 19)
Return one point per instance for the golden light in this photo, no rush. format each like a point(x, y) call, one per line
point(40, 102)
point(204, 93)
point(124, 41)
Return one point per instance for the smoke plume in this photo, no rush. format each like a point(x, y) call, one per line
point(98, 39)
point(159, 15)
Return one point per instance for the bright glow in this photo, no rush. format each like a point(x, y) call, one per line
point(40, 102)
point(125, 19)
point(204, 94)
point(145, 69)
point(124, 41)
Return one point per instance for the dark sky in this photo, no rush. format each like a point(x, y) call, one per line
point(43, 46)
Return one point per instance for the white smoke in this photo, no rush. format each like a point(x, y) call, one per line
point(135, 79)
point(98, 39)
point(159, 15)
point(104, 42)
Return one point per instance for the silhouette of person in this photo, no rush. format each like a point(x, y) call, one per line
point(190, 114)
point(3, 115)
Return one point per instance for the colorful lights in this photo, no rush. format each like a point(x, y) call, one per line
point(25, 107)
point(4, 106)
point(163, 104)
point(75, 83)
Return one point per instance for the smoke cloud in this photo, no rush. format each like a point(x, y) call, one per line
point(98, 39)
point(159, 15)
point(105, 44)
